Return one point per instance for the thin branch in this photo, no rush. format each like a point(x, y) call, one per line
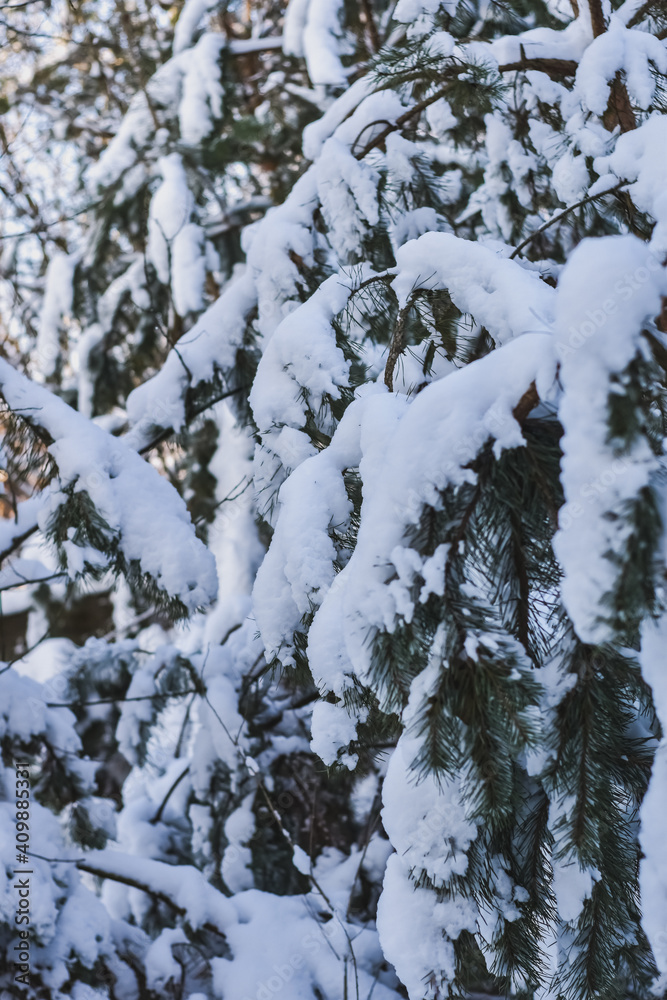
point(561, 215)
point(184, 725)
point(23, 581)
point(316, 885)
point(143, 886)
point(168, 431)
point(18, 541)
point(43, 226)
point(410, 113)
point(558, 67)
point(387, 276)
point(179, 779)
point(262, 787)
point(112, 701)
point(134, 883)
point(17, 6)
point(53, 861)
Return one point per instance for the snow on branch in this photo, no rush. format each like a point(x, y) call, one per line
point(609, 289)
point(620, 49)
point(182, 887)
point(277, 246)
point(405, 453)
point(502, 296)
point(144, 518)
point(313, 30)
point(639, 157)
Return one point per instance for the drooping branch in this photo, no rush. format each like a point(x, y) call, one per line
point(561, 215)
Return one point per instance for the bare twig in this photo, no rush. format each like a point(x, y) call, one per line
point(561, 215)
point(123, 698)
point(174, 786)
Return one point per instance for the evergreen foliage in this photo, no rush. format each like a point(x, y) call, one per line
point(332, 452)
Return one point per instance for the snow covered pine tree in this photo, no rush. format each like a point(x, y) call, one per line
point(333, 375)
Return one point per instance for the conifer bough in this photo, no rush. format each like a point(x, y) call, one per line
point(347, 346)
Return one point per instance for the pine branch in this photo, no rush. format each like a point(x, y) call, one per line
point(640, 14)
point(619, 109)
point(450, 73)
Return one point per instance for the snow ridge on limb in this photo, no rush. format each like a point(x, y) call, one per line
point(608, 291)
point(620, 49)
point(638, 158)
point(502, 296)
point(184, 887)
point(272, 282)
point(300, 566)
point(188, 21)
point(452, 420)
point(403, 468)
point(190, 83)
point(57, 303)
point(145, 522)
point(313, 31)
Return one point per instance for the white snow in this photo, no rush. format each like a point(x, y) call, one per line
point(313, 30)
point(169, 212)
point(620, 49)
point(607, 291)
point(499, 293)
point(408, 454)
point(140, 507)
point(188, 266)
point(639, 157)
point(185, 886)
point(56, 304)
point(189, 19)
point(422, 815)
point(202, 93)
point(333, 729)
point(416, 931)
